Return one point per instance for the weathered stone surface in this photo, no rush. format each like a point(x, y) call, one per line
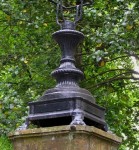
point(64, 138)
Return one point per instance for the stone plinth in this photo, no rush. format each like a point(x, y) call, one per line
point(64, 138)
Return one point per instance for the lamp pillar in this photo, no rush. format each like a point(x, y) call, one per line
point(67, 103)
point(67, 116)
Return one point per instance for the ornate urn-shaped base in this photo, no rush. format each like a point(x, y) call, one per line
point(67, 103)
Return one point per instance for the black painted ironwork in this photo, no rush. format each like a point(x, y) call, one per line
point(67, 103)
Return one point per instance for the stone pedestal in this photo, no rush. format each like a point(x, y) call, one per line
point(64, 138)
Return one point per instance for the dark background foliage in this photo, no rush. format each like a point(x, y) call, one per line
point(108, 57)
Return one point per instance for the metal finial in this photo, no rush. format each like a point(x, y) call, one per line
point(64, 23)
point(61, 8)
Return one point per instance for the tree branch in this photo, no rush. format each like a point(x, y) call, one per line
point(128, 71)
point(112, 80)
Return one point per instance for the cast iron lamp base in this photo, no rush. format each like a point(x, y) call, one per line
point(67, 103)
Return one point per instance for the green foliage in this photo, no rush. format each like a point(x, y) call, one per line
point(5, 144)
point(28, 55)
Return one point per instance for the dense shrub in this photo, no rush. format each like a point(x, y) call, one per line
point(5, 143)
